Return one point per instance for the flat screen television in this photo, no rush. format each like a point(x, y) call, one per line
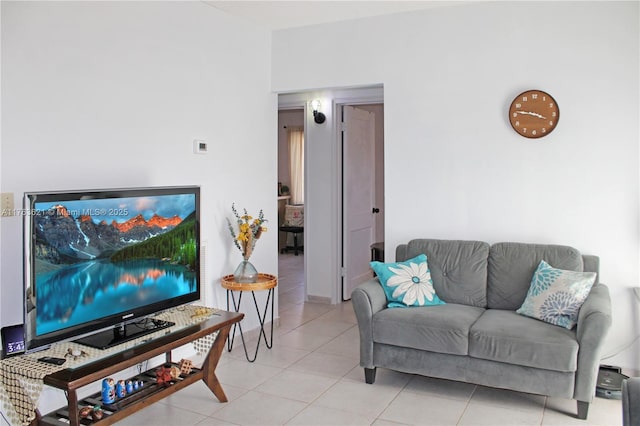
point(100, 263)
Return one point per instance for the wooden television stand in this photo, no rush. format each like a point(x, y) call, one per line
point(71, 379)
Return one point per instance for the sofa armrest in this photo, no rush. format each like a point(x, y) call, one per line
point(594, 321)
point(367, 299)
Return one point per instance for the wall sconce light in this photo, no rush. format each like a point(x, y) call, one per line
point(318, 117)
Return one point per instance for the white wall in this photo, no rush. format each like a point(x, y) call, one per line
point(112, 94)
point(454, 168)
point(1, 149)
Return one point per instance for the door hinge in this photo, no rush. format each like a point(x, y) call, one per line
point(343, 126)
point(343, 272)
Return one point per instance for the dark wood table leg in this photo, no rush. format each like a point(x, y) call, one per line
point(211, 362)
point(74, 414)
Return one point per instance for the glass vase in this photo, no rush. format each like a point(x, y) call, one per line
point(245, 273)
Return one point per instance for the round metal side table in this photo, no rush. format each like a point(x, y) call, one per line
point(264, 282)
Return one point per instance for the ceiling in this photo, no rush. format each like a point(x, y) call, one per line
point(275, 15)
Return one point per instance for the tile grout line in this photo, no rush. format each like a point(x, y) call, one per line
point(393, 399)
point(475, 388)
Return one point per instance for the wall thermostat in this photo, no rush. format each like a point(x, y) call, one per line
point(199, 146)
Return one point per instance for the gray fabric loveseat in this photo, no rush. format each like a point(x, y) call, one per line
point(477, 336)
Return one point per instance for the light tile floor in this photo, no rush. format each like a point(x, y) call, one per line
point(312, 377)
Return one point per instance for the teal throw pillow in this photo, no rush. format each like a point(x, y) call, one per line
point(556, 296)
point(407, 283)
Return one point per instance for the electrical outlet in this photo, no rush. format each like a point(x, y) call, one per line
point(6, 204)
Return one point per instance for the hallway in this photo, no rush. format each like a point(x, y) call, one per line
point(290, 280)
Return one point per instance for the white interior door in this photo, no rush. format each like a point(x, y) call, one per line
point(358, 185)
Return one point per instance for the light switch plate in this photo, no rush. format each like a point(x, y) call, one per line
point(6, 204)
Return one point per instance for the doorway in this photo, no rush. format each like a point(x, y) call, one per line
point(291, 287)
point(323, 238)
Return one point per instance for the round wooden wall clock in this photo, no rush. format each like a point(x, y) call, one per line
point(534, 114)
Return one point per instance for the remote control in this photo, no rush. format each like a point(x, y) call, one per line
point(52, 360)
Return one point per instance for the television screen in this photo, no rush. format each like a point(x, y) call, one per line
point(100, 258)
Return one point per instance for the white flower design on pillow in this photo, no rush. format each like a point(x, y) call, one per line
point(413, 282)
point(558, 308)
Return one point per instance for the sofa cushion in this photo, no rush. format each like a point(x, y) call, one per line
point(441, 328)
point(511, 266)
point(407, 283)
point(458, 268)
point(505, 336)
point(556, 295)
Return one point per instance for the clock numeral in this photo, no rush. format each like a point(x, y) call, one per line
point(525, 99)
point(550, 104)
point(544, 130)
point(517, 123)
point(515, 115)
point(551, 123)
point(533, 133)
point(518, 105)
point(534, 96)
point(553, 114)
point(544, 99)
point(524, 130)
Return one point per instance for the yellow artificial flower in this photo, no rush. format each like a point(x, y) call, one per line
point(248, 232)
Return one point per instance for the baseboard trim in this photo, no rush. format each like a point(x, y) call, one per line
point(319, 299)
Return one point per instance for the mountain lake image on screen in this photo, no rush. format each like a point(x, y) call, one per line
point(98, 258)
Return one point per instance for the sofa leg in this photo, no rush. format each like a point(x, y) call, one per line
point(583, 410)
point(370, 375)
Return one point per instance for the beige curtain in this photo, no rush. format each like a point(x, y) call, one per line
point(296, 164)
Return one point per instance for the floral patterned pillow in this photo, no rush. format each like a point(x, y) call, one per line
point(556, 295)
point(407, 283)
